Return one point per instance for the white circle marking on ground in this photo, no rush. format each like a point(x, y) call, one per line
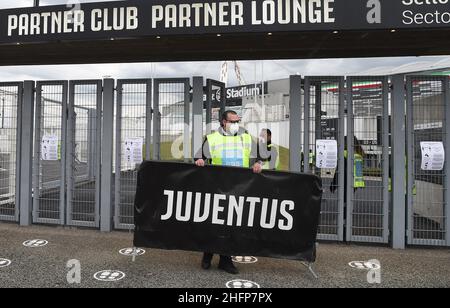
point(364, 265)
point(244, 260)
point(35, 243)
point(109, 276)
point(129, 252)
point(242, 284)
point(4, 262)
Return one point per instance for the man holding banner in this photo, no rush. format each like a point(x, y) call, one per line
point(232, 146)
point(226, 210)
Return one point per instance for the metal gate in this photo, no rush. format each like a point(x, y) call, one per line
point(83, 153)
point(172, 114)
point(368, 159)
point(133, 144)
point(215, 102)
point(49, 168)
point(428, 192)
point(324, 119)
point(10, 111)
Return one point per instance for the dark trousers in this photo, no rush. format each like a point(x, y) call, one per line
point(223, 259)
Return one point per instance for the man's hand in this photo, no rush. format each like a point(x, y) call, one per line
point(257, 168)
point(200, 163)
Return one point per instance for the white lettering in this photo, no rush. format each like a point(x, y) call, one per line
point(235, 207)
point(289, 223)
point(292, 11)
point(251, 213)
point(157, 15)
point(207, 204)
point(223, 13)
point(187, 212)
point(273, 214)
point(170, 195)
point(217, 208)
point(230, 210)
point(424, 2)
point(13, 23)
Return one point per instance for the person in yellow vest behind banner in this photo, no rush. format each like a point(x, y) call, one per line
point(358, 169)
point(267, 151)
point(231, 145)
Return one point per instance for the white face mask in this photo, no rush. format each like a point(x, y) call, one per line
point(234, 128)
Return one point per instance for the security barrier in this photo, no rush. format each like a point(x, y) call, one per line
point(83, 153)
point(324, 119)
point(133, 144)
point(166, 119)
point(50, 139)
point(10, 106)
point(368, 162)
point(428, 192)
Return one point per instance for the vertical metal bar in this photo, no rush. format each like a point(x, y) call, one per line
point(410, 158)
point(398, 150)
point(306, 124)
point(36, 156)
point(62, 201)
point(18, 148)
point(156, 122)
point(68, 139)
point(98, 149)
point(64, 133)
point(208, 106)
point(107, 149)
point(118, 153)
point(341, 159)
point(197, 114)
point(223, 96)
point(149, 116)
point(350, 160)
point(90, 149)
point(91, 144)
point(295, 120)
point(447, 164)
point(26, 156)
point(385, 159)
point(187, 131)
point(318, 111)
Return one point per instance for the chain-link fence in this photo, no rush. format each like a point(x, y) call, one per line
point(324, 120)
point(367, 159)
point(133, 144)
point(10, 104)
point(83, 153)
point(49, 152)
point(427, 105)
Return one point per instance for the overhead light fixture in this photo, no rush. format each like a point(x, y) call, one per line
point(335, 32)
point(393, 31)
point(219, 35)
point(269, 34)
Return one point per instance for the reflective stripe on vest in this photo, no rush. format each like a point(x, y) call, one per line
point(230, 150)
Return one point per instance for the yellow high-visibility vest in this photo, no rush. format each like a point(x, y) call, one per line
point(266, 165)
point(230, 150)
point(358, 175)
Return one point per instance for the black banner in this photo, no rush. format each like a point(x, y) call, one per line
point(227, 210)
point(143, 18)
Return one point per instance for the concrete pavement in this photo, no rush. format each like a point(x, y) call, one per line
point(46, 266)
